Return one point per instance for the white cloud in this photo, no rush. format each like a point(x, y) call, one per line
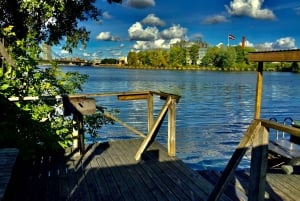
point(64, 52)
point(215, 19)
point(279, 44)
point(140, 3)
point(284, 43)
point(151, 37)
point(247, 44)
point(106, 15)
point(145, 45)
point(85, 54)
point(176, 31)
point(159, 43)
point(151, 19)
point(106, 36)
point(197, 36)
point(137, 32)
point(251, 8)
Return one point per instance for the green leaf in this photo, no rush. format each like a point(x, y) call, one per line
point(4, 86)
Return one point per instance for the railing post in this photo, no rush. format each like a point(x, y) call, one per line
point(154, 130)
point(150, 111)
point(172, 128)
point(259, 85)
point(258, 168)
point(78, 133)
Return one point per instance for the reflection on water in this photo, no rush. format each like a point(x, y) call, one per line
point(214, 111)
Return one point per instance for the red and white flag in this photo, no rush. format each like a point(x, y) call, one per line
point(231, 37)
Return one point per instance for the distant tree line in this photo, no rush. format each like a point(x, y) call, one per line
point(179, 55)
point(185, 55)
point(109, 61)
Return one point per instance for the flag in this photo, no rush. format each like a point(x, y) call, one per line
point(231, 37)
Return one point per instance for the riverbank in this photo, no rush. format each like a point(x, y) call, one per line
point(193, 68)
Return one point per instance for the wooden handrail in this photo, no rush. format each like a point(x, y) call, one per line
point(236, 158)
point(257, 137)
point(280, 127)
point(153, 127)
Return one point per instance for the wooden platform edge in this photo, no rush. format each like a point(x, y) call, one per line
point(8, 157)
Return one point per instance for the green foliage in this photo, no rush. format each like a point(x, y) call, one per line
point(38, 125)
point(132, 59)
point(295, 67)
point(109, 61)
point(95, 121)
point(225, 58)
point(211, 55)
point(33, 126)
point(48, 21)
point(194, 53)
point(177, 56)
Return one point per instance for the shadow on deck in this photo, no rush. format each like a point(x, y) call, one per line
point(108, 171)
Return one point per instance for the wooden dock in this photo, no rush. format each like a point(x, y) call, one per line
point(108, 171)
point(8, 157)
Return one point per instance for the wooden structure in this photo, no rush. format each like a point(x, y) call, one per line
point(80, 105)
point(108, 171)
point(143, 170)
point(271, 56)
point(8, 157)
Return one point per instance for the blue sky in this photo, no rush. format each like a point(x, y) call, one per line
point(137, 25)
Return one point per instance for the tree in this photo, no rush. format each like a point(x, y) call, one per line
point(225, 58)
point(295, 67)
point(194, 53)
point(210, 58)
point(49, 20)
point(24, 25)
point(132, 59)
point(177, 57)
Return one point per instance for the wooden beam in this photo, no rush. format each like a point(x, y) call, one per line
point(280, 127)
point(275, 56)
point(125, 97)
point(109, 115)
point(172, 128)
point(151, 134)
point(259, 86)
point(236, 158)
point(78, 133)
point(150, 111)
point(258, 167)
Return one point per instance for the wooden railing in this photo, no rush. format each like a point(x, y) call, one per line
point(257, 138)
point(81, 104)
point(153, 124)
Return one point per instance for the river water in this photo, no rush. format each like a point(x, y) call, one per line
point(214, 110)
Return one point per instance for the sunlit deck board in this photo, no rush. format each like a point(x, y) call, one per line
point(285, 148)
point(108, 171)
point(284, 187)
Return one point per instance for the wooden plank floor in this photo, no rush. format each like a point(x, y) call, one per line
point(8, 157)
point(108, 171)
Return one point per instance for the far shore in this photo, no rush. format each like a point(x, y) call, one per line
point(182, 68)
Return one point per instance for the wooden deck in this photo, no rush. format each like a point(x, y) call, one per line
point(8, 157)
point(108, 171)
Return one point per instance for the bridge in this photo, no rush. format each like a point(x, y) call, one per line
point(66, 62)
point(47, 58)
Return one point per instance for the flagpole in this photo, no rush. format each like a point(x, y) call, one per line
point(227, 40)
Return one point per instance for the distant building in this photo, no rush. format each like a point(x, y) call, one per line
point(46, 52)
point(202, 53)
point(122, 60)
point(202, 49)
